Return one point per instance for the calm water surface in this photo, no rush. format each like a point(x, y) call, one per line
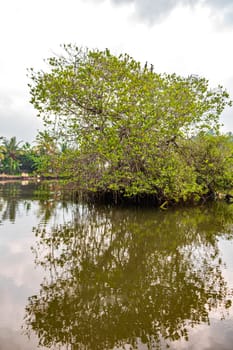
point(76, 276)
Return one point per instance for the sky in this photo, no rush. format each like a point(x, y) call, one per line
point(176, 36)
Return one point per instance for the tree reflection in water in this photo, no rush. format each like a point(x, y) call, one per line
point(10, 201)
point(129, 276)
point(16, 199)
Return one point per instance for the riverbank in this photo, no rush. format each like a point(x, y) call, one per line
point(23, 176)
point(113, 197)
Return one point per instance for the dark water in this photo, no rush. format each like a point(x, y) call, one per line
point(75, 276)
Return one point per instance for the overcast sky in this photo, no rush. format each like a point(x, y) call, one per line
point(181, 36)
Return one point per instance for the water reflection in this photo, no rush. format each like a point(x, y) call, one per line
point(16, 198)
point(118, 277)
point(8, 208)
point(21, 208)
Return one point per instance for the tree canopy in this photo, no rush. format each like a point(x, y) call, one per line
point(128, 130)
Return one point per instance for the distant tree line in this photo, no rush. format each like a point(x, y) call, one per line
point(17, 157)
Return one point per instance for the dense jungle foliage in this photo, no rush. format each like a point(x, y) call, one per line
point(115, 127)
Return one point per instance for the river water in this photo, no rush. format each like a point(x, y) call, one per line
point(84, 276)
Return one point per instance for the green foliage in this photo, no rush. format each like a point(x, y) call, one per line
point(15, 159)
point(10, 153)
point(127, 129)
point(212, 158)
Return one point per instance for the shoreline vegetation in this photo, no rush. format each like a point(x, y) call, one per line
point(117, 131)
point(59, 189)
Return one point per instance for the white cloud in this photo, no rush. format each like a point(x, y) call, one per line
point(155, 11)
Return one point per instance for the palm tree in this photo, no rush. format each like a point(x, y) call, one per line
point(11, 152)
